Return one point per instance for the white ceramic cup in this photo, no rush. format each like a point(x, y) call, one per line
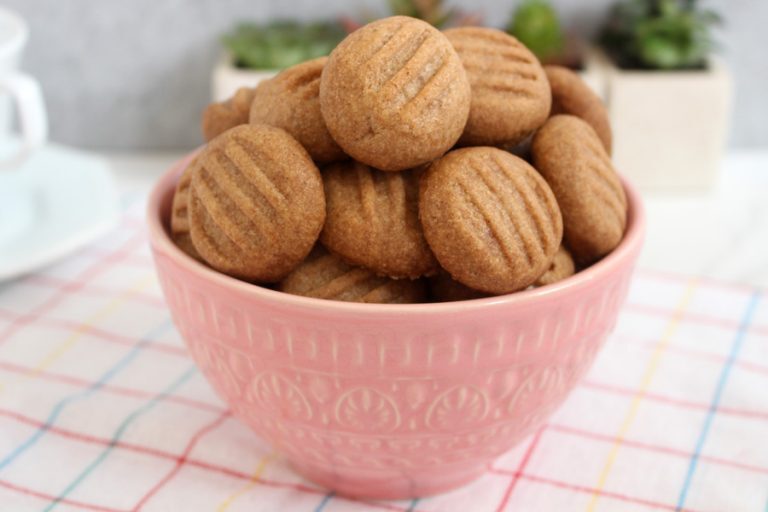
point(18, 90)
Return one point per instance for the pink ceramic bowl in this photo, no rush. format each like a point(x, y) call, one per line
point(390, 401)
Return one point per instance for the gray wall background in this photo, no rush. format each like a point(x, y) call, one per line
point(135, 74)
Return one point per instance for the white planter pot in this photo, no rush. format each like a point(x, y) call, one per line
point(227, 78)
point(595, 70)
point(670, 128)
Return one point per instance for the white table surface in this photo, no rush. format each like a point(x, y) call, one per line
point(721, 235)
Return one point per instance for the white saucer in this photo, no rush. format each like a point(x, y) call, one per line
point(57, 201)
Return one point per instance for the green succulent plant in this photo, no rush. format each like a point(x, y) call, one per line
point(659, 34)
point(281, 44)
point(536, 24)
point(433, 12)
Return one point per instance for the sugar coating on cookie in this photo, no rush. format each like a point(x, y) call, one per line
point(490, 219)
point(570, 156)
point(256, 204)
point(291, 101)
point(394, 94)
point(562, 266)
point(326, 276)
point(571, 95)
point(510, 92)
point(373, 220)
point(180, 211)
point(220, 117)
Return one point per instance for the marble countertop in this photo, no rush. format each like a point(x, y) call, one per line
point(720, 235)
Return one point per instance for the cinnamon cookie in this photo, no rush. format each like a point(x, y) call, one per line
point(372, 220)
point(180, 211)
point(570, 156)
point(291, 101)
point(562, 266)
point(446, 289)
point(220, 117)
point(510, 93)
point(570, 95)
point(325, 276)
point(257, 203)
point(491, 220)
point(394, 94)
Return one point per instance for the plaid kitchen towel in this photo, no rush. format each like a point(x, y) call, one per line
point(102, 409)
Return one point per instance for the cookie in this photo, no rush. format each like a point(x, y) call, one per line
point(570, 156)
point(446, 289)
point(570, 95)
point(394, 94)
point(325, 276)
point(372, 220)
point(510, 92)
point(256, 204)
point(180, 211)
point(490, 219)
point(220, 117)
point(562, 266)
point(291, 101)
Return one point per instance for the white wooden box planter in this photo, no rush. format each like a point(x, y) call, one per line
point(670, 127)
point(227, 78)
point(595, 70)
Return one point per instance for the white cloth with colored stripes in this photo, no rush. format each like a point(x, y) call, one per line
point(102, 409)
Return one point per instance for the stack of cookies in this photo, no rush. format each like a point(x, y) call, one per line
point(410, 165)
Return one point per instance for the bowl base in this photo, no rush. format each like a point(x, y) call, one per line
point(385, 485)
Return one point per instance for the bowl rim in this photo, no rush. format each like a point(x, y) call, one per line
point(161, 242)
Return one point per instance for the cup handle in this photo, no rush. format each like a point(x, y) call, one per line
point(33, 121)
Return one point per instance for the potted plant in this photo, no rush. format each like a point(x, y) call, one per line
point(254, 52)
point(669, 99)
point(536, 24)
point(433, 12)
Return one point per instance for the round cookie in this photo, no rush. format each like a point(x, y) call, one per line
point(220, 117)
point(372, 220)
point(568, 153)
point(291, 101)
point(510, 92)
point(571, 95)
point(180, 211)
point(256, 204)
point(490, 219)
point(394, 94)
point(325, 276)
point(446, 289)
point(562, 266)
